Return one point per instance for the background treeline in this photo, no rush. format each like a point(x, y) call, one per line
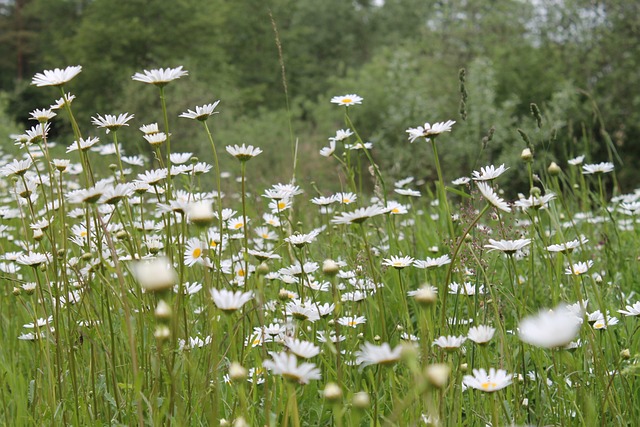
point(577, 60)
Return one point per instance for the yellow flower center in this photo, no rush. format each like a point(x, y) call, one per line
point(395, 210)
point(196, 253)
point(281, 205)
point(213, 243)
point(488, 385)
point(240, 273)
point(347, 100)
point(238, 225)
point(346, 200)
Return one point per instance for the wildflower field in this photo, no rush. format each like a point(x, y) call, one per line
point(136, 292)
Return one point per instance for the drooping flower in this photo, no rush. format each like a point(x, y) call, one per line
point(490, 195)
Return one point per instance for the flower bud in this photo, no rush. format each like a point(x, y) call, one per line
point(201, 213)
point(526, 155)
point(425, 295)
point(361, 400)
point(332, 392)
point(625, 354)
point(237, 372)
point(438, 374)
point(163, 310)
point(554, 169)
point(330, 267)
point(162, 332)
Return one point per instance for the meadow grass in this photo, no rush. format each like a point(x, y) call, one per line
point(140, 294)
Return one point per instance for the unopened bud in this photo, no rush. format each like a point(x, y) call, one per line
point(262, 269)
point(163, 310)
point(625, 354)
point(162, 332)
point(361, 400)
point(554, 169)
point(526, 155)
point(438, 374)
point(332, 392)
point(237, 372)
point(426, 295)
point(330, 267)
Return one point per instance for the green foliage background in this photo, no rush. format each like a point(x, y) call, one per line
point(577, 60)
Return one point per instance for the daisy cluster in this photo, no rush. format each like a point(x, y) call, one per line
point(385, 297)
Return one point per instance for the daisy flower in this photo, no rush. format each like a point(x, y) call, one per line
point(193, 252)
point(488, 173)
point(490, 195)
point(481, 334)
point(432, 262)
point(550, 329)
point(407, 192)
point(352, 321)
point(535, 202)
point(111, 122)
point(347, 100)
point(328, 151)
point(341, 134)
point(229, 301)
point(576, 160)
point(83, 144)
point(429, 130)
point(359, 215)
point(398, 262)
point(509, 247)
point(42, 116)
point(345, 198)
point(465, 289)
point(567, 247)
point(243, 153)
point(161, 76)
point(461, 181)
point(579, 268)
point(287, 365)
point(302, 311)
point(202, 113)
point(156, 138)
point(604, 167)
point(371, 354)
point(16, 167)
point(493, 381)
point(56, 77)
point(304, 349)
point(449, 343)
point(299, 240)
point(631, 310)
point(155, 274)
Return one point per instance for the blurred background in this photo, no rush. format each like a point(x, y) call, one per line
point(577, 60)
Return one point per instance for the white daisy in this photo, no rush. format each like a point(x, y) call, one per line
point(550, 328)
point(488, 173)
point(347, 100)
point(202, 113)
point(243, 153)
point(287, 365)
point(229, 301)
point(161, 76)
point(493, 381)
point(429, 130)
point(604, 167)
point(490, 195)
point(371, 354)
point(56, 77)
